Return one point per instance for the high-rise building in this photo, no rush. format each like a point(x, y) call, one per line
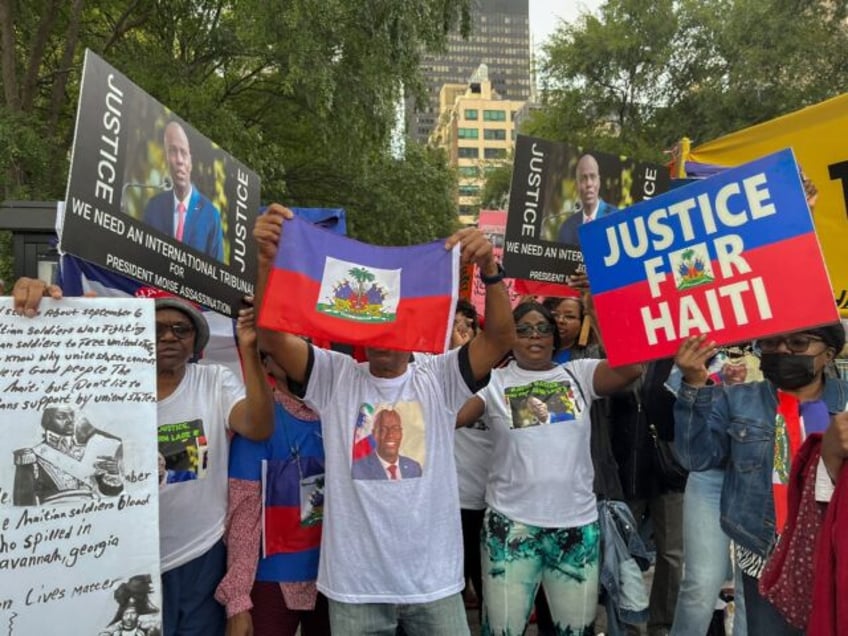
point(500, 39)
point(476, 127)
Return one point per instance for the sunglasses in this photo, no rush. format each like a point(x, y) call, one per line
point(527, 330)
point(180, 330)
point(796, 344)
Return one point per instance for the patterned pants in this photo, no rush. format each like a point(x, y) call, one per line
point(517, 558)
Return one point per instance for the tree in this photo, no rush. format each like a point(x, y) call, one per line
point(304, 92)
point(637, 77)
point(495, 193)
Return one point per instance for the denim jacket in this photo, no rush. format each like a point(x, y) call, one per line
point(623, 558)
point(733, 427)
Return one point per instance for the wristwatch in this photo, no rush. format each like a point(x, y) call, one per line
point(496, 278)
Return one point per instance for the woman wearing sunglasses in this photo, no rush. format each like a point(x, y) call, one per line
point(756, 431)
point(541, 524)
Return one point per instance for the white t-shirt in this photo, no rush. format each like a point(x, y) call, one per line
point(194, 444)
point(473, 452)
point(389, 541)
point(541, 470)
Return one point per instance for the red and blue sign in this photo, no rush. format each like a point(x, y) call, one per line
point(734, 257)
point(332, 288)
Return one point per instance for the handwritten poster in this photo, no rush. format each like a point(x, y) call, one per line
point(79, 534)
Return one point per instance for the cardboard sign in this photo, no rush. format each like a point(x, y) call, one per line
point(549, 184)
point(734, 256)
point(151, 198)
point(817, 136)
point(79, 484)
point(492, 223)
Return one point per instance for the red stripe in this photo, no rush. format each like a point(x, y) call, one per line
point(283, 532)
point(536, 288)
point(290, 306)
point(793, 276)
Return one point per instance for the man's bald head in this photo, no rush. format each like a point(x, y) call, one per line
point(588, 183)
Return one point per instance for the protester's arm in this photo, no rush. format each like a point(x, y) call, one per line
point(608, 380)
point(470, 412)
point(495, 341)
point(290, 352)
point(28, 292)
point(252, 417)
point(242, 536)
point(834, 448)
point(701, 411)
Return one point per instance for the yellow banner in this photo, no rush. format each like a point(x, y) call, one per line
point(819, 136)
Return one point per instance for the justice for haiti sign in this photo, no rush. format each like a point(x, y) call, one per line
point(735, 257)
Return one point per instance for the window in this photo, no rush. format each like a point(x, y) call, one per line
point(468, 133)
point(469, 190)
point(471, 114)
point(468, 153)
point(494, 153)
point(468, 171)
point(491, 133)
point(494, 115)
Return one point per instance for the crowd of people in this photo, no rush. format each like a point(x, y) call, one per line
point(372, 497)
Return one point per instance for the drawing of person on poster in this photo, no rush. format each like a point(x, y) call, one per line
point(184, 212)
point(74, 461)
point(136, 615)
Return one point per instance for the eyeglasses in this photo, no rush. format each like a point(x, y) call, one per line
point(180, 330)
point(526, 330)
point(796, 343)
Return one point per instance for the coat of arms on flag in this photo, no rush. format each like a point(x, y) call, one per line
point(365, 294)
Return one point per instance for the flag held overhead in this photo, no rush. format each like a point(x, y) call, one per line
point(326, 286)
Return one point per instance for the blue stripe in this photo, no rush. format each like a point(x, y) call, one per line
point(791, 219)
point(427, 268)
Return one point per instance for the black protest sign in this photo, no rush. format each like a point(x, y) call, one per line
point(151, 198)
point(554, 186)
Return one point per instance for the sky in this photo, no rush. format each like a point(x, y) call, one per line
point(546, 14)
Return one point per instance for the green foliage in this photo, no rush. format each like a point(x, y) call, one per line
point(302, 91)
point(639, 76)
point(495, 193)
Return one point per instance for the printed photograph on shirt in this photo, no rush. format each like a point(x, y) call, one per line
point(542, 402)
point(183, 452)
point(388, 442)
point(136, 613)
point(72, 461)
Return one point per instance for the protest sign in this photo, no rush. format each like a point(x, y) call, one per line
point(734, 257)
point(817, 135)
point(151, 198)
point(546, 204)
point(79, 534)
point(492, 223)
point(335, 289)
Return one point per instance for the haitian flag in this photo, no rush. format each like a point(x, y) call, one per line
point(734, 256)
point(329, 287)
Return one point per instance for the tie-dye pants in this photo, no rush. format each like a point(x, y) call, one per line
point(517, 558)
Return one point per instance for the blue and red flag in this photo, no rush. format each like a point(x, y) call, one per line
point(333, 288)
point(283, 528)
point(734, 257)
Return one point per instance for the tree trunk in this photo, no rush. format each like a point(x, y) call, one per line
point(7, 44)
point(39, 42)
point(57, 98)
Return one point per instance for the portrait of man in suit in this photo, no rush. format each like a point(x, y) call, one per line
point(184, 212)
point(591, 205)
point(385, 461)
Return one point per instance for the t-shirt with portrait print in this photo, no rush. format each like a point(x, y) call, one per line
point(389, 540)
point(193, 455)
point(541, 470)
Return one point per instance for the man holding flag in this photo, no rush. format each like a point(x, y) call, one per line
point(392, 548)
